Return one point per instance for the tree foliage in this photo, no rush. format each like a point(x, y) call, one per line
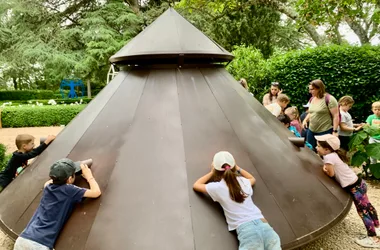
point(235, 22)
point(53, 40)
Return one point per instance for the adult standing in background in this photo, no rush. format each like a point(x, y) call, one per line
point(323, 116)
point(271, 97)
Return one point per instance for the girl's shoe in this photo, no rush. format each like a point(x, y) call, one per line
point(368, 242)
point(377, 230)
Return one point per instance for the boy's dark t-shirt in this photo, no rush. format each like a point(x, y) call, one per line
point(17, 160)
point(56, 205)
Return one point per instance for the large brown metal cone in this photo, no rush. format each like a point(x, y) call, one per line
point(168, 38)
point(151, 133)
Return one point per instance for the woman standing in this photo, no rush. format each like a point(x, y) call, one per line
point(271, 97)
point(323, 116)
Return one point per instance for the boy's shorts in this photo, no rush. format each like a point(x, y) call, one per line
point(25, 244)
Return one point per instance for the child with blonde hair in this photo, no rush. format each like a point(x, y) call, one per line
point(25, 151)
point(294, 116)
point(277, 107)
point(346, 125)
point(374, 120)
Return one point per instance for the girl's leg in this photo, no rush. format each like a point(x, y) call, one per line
point(365, 209)
point(270, 237)
point(250, 236)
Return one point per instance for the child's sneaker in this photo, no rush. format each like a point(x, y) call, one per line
point(368, 242)
point(377, 230)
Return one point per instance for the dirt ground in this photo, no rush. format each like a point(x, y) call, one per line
point(339, 238)
point(8, 135)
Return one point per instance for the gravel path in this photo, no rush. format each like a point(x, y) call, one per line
point(340, 237)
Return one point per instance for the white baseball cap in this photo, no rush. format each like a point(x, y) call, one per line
point(332, 140)
point(221, 158)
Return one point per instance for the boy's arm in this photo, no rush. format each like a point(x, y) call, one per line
point(369, 120)
point(94, 191)
point(36, 151)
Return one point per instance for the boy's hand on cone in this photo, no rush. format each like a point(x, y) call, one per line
point(49, 139)
point(86, 172)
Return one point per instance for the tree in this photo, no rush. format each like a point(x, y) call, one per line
point(53, 40)
point(235, 22)
point(362, 16)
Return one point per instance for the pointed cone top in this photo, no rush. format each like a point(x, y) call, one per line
point(167, 39)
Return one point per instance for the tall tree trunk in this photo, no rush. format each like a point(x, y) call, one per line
point(310, 29)
point(88, 88)
point(337, 34)
point(358, 29)
point(15, 83)
point(134, 4)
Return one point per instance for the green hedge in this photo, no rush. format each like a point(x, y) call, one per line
point(37, 116)
point(3, 157)
point(45, 102)
point(346, 70)
point(26, 94)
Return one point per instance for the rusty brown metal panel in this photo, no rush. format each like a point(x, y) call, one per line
point(103, 143)
point(169, 35)
point(24, 190)
point(146, 203)
point(305, 202)
point(206, 131)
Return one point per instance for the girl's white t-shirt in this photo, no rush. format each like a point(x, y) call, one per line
point(343, 173)
point(236, 213)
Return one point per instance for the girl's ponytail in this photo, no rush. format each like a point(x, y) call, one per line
point(236, 193)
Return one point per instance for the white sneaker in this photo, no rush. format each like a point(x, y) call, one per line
point(377, 230)
point(368, 242)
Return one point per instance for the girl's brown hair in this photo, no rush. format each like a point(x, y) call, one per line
point(318, 84)
point(229, 176)
point(276, 85)
point(346, 100)
point(341, 153)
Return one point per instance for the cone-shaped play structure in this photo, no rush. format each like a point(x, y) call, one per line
point(153, 131)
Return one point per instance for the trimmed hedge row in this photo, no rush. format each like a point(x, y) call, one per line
point(38, 116)
point(26, 94)
point(45, 102)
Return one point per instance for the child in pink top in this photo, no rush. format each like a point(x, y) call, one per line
point(294, 116)
point(335, 165)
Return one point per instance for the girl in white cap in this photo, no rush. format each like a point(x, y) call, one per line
point(335, 165)
point(231, 186)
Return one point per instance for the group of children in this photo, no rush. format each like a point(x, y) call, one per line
point(59, 195)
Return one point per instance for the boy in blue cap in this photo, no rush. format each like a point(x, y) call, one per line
point(58, 200)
